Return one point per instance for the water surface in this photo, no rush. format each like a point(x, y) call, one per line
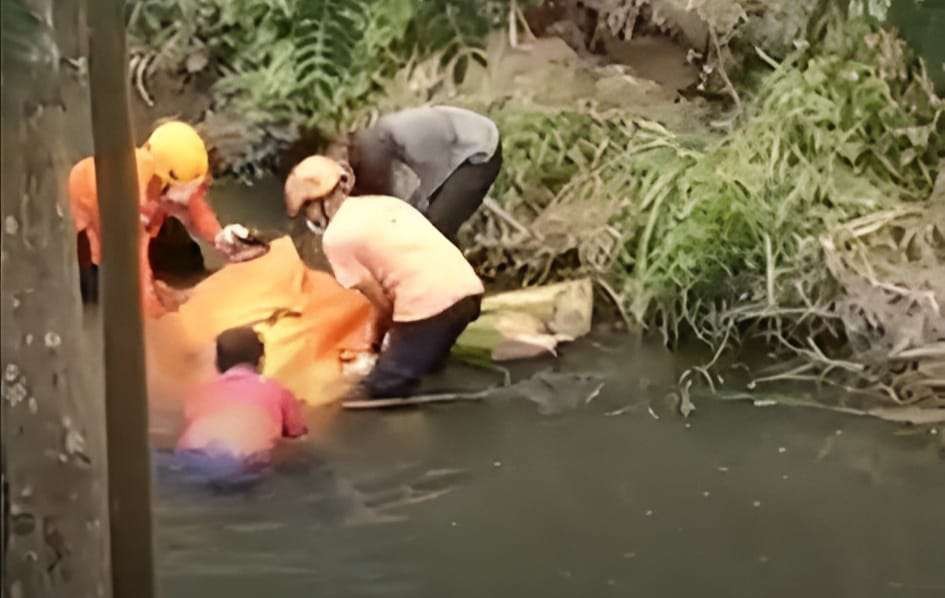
point(619, 496)
point(558, 496)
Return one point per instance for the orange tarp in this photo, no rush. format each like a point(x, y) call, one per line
point(305, 318)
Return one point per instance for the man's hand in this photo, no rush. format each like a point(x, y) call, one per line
point(379, 332)
point(239, 245)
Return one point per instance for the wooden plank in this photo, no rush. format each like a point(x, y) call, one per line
point(126, 400)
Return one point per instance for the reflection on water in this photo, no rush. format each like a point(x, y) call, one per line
point(613, 496)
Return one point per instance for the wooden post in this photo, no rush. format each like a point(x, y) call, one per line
point(129, 470)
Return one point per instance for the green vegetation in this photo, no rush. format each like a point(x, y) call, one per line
point(801, 215)
point(281, 67)
point(732, 236)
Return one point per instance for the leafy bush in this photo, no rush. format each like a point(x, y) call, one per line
point(723, 235)
point(286, 66)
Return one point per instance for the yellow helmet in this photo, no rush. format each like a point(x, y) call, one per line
point(179, 153)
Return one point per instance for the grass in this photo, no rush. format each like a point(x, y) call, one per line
point(724, 237)
point(281, 67)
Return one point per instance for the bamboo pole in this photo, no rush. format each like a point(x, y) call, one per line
point(129, 471)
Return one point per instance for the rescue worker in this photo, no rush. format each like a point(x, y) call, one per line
point(440, 159)
point(424, 291)
point(172, 181)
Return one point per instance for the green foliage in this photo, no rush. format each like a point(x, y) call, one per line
point(720, 234)
point(451, 25)
point(684, 229)
point(286, 66)
point(541, 164)
point(801, 224)
point(830, 138)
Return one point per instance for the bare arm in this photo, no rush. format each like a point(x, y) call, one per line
point(201, 219)
point(372, 289)
point(293, 420)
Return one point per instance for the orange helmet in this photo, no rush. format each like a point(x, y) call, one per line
point(312, 179)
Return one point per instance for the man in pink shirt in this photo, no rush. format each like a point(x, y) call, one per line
point(424, 290)
point(234, 422)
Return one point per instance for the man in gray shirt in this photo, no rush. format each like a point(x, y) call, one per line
point(440, 159)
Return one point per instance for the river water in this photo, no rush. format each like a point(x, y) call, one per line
point(566, 494)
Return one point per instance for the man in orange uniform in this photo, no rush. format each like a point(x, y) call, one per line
point(172, 181)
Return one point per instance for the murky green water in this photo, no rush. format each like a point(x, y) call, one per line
point(495, 499)
point(618, 496)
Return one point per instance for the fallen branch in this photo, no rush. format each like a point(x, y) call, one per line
point(491, 205)
point(418, 400)
point(728, 82)
point(932, 350)
point(618, 302)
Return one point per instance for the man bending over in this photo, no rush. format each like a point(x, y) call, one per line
point(424, 290)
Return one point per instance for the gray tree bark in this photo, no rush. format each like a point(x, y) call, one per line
point(55, 526)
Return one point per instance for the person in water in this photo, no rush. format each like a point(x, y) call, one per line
point(173, 180)
point(234, 422)
point(424, 290)
point(440, 159)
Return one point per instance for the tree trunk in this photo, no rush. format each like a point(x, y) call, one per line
point(55, 526)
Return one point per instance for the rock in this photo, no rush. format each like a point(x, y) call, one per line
point(565, 308)
point(529, 322)
point(507, 335)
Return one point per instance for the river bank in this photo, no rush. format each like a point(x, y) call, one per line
point(795, 205)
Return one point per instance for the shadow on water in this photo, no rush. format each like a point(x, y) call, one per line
point(561, 491)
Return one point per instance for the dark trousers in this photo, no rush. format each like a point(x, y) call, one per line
point(417, 349)
point(462, 193)
point(174, 252)
point(88, 272)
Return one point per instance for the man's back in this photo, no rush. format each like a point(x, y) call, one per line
point(240, 414)
point(431, 140)
point(421, 271)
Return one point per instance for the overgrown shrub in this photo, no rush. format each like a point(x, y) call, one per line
point(758, 228)
point(284, 66)
point(725, 236)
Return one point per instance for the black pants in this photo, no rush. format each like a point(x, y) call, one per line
point(88, 272)
point(174, 252)
point(418, 348)
point(462, 193)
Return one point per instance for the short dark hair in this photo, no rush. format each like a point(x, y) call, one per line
point(239, 346)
